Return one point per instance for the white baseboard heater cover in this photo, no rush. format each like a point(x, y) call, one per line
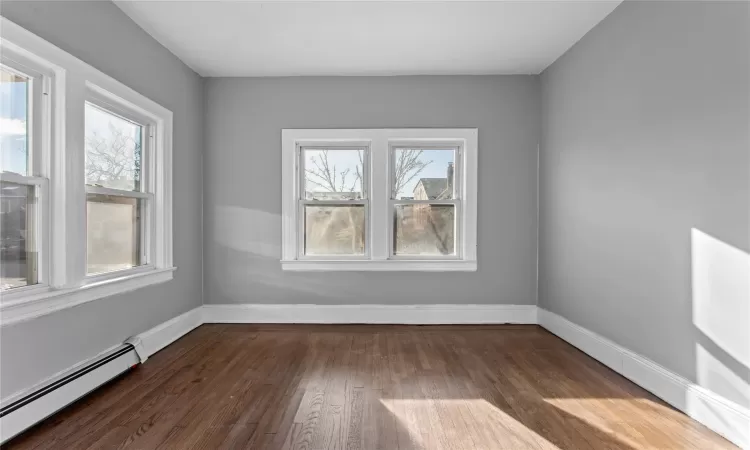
point(45, 401)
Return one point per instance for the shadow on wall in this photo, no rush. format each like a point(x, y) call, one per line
point(242, 266)
point(251, 242)
point(248, 230)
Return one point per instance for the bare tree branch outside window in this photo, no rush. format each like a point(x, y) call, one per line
point(113, 160)
point(407, 167)
point(322, 173)
point(326, 176)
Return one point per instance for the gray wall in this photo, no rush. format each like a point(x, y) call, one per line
point(645, 151)
point(243, 183)
point(100, 34)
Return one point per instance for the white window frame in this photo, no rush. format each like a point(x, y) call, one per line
point(70, 84)
point(380, 145)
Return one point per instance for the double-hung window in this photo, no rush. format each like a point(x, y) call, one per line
point(425, 197)
point(379, 199)
point(85, 181)
point(24, 182)
point(118, 198)
point(333, 202)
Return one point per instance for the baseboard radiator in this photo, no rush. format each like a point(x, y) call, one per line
point(45, 401)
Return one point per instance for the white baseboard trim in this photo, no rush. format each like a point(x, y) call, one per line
point(371, 314)
point(155, 339)
point(719, 414)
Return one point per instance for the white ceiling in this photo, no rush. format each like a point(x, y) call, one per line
point(281, 38)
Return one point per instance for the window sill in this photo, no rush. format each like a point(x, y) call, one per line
point(26, 307)
point(401, 265)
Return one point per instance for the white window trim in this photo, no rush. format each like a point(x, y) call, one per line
point(147, 250)
point(73, 82)
point(379, 144)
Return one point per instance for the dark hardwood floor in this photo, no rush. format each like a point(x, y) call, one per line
point(370, 387)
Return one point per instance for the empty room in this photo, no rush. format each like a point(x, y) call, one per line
point(394, 224)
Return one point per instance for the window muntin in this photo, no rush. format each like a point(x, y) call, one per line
point(23, 182)
point(117, 196)
point(333, 201)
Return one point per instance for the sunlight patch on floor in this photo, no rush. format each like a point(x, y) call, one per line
point(475, 422)
point(605, 415)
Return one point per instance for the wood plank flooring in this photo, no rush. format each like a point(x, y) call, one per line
point(370, 387)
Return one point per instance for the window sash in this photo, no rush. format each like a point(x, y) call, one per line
point(457, 235)
point(39, 228)
point(117, 192)
point(301, 229)
point(11, 177)
point(37, 111)
point(425, 202)
point(457, 149)
point(338, 146)
point(144, 251)
point(148, 134)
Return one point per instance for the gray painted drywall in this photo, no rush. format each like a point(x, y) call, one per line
point(244, 119)
point(103, 36)
point(646, 142)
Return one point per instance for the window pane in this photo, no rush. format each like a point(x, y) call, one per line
point(423, 174)
point(423, 229)
point(335, 230)
point(113, 150)
point(113, 228)
point(14, 155)
point(333, 174)
point(18, 266)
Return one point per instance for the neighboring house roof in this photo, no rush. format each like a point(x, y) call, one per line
point(433, 187)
